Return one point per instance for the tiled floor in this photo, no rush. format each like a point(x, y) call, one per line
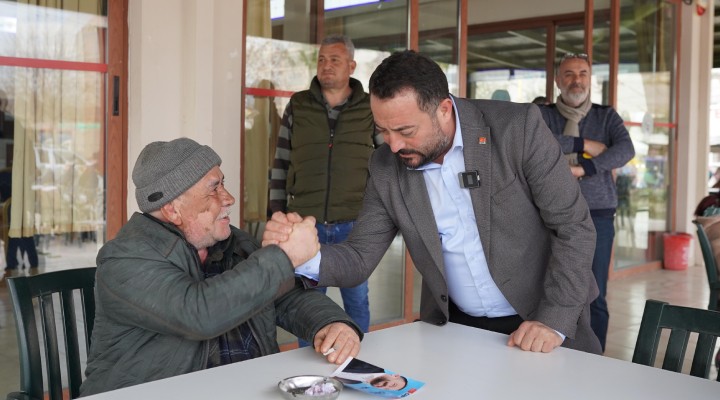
point(626, 299)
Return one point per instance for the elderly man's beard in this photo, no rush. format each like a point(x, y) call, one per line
point(575, 98)
point(437, 145)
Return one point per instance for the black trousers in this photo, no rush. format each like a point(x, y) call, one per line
point(26, 245)
point(506, 325)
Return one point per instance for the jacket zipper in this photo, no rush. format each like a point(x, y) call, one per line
point(329, 173)
point(206, 343)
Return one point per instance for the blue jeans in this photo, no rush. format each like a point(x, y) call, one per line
point(599, 316)
point(355, 299)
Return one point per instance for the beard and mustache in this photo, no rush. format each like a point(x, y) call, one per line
point(574, 97)
point(437, 145)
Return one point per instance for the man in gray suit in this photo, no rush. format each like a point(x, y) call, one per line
point(491, 215)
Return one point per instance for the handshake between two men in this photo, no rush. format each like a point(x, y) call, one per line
point(297, 237)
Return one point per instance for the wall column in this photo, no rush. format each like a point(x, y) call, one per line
point(692, 141)
point(184, 64)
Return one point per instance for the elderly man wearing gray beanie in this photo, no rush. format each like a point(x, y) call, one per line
point(180, 289)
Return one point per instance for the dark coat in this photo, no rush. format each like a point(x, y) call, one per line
point(156, 313)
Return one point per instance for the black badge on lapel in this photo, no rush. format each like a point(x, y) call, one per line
point(469, 179)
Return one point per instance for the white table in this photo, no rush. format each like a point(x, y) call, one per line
point(454, 361)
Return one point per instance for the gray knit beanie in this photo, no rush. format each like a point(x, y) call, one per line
point(165, 170)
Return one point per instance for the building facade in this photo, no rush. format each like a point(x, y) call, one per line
point(118, 74)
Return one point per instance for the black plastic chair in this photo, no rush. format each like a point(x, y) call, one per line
point(682, 321)
point(41, 289)
point(710, 267)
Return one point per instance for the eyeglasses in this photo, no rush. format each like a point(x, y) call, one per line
point(567, 56)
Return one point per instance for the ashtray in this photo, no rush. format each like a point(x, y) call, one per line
point(295, 387)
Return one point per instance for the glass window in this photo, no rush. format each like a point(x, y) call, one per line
point(52, 131)
point(507, 49)
point(281, 58)
point(646, 76)
point(378, 25)
point(714, 161)
point(438, 37)
point(601, 53)
point(570, 38)
point(279, 63)
point(507, 65)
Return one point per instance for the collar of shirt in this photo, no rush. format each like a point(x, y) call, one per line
point(334, 111)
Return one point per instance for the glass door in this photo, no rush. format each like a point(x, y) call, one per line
point(646, 90)
point(52, 131)
point(281, 57)
point(507, 64)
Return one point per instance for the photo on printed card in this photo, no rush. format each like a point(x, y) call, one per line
point(368, 378)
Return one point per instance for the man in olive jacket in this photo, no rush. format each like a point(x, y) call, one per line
point(180, 289)
point(321, 160)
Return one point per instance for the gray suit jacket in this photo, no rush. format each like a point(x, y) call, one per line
point(534, 223)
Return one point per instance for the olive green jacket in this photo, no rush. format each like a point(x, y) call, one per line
point(328, 166)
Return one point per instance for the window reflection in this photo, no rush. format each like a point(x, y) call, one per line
point(645, 91)
point(438, 37)
point(507, 65)
point(281, 59)
point(52, 130)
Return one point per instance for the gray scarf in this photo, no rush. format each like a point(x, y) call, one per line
point(573, 116)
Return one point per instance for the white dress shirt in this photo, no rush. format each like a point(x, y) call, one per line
point(469, 282)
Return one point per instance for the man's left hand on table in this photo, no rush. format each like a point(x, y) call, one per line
point(535, 336)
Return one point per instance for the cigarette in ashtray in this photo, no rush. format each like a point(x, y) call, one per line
point(330, 351)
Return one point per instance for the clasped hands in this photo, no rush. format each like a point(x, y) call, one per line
point(297, 237)
point(294, 234)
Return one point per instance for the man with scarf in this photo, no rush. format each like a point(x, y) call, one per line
point(595, 141)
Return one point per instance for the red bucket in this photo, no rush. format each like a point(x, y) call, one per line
point(677, 250)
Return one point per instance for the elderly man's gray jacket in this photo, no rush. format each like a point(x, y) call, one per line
point(156, 313)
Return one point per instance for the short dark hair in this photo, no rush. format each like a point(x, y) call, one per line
point(540, 100)
point(407, 69)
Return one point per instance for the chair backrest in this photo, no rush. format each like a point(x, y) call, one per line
point(42, 288)
point(710, 267)
point(681, 321)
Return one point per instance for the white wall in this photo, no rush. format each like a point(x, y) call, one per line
point(185, 79)
point(693, 117)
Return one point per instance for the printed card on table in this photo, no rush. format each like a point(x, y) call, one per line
point(368, 378)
